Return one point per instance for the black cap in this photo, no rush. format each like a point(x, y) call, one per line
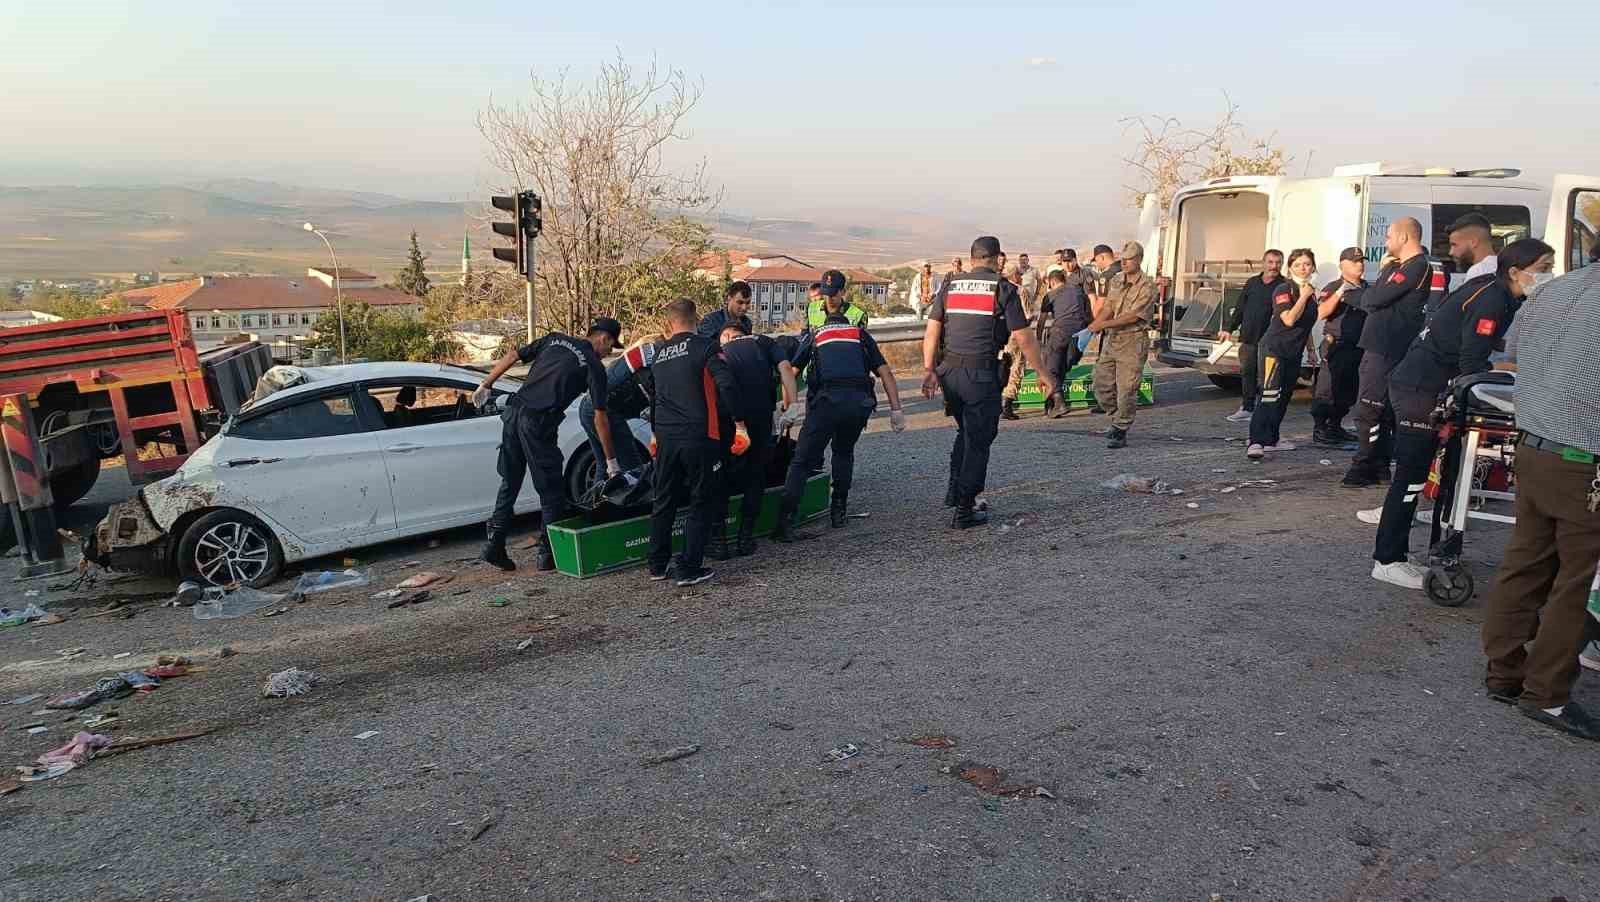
point(1353, 254)
point(832, 283)
point(1104, 249)
point(1068, 253)
point(986, 246)
point(609, 326)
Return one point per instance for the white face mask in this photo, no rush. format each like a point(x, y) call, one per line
point(1534, 280)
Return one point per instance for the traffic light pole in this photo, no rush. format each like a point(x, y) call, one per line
point(533, 242)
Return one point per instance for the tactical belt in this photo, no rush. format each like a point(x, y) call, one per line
point(972, 361)
point(1567, 452)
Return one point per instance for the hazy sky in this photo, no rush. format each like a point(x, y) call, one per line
point(810, 108)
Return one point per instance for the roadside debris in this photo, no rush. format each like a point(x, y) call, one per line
point(499, 601)
point(525, 644)
point(103, 689)
point(931, 741)
point(220, 604)
point(673, 754)
point(991, 780)
point(842, 752)
point(410, 596)
point(482, 829)
point(65, 759)
point(188, 593)
point(425, 578)
point(366, 735)
point(286, 683)
point(329, 581)
point(1192, 506)
point(12, 617)
point(1142, 485)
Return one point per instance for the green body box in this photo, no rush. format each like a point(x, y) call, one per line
point(1080, 388)
point(585, 549)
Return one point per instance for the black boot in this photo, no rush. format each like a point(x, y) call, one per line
point(1340, 435)
point(746, 543)
point(968, 516)
point(494, 550)
point(950, 494)
point(1321, 433)
point(1063, 406)
point(1008, 410)
point(1050, 406)
point(836, 515)
point(543, 559)
point(784, 531)
point(718, 547)
point(1117, 438)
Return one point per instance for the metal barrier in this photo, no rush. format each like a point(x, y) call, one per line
point(27, 489)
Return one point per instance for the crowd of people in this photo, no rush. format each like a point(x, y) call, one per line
point(1387, 350)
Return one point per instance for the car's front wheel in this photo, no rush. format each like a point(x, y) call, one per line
point(229, 547)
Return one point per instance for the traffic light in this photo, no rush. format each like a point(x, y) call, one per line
point(524, 207)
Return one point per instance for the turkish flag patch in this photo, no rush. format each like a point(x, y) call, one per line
point(1398, 278)
point(1485, 327)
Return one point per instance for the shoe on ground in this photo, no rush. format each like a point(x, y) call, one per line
point(495, 556)
point(1572, 719)
point(659, 572)
point(543, 560)
point(1371, 516)
point(1097, 409)
point(968, 518)
point(1590, 656)
point(1359, 479)
point(1239, 416)
point(693, 577)
point(1322, 436)
point(1062, 408)
point(1404, 574)
point(1505, 695)
point(1117, 438)
point(1008, 411)
point(1282, 445)
point(837, 518)
point(745, 547)
point(1340, 435)
point(1255, 452)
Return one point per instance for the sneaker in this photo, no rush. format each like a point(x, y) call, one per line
point(1255, 452)
point(659, 572)
point(967, 519)
point(1590, 656)
point(1506, 695)
point(1360, 478)
point(1118, 438)
point(1372, 516)
point(1572, 719)
point(1282, 445)
point(1239, 416)
point(1404, 574)
point(693, 577)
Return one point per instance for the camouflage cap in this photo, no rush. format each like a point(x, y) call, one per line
point(1133, 250)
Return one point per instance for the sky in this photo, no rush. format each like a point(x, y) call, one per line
point(1004, 112)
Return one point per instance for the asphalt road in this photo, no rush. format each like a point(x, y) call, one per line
point(1219, 699)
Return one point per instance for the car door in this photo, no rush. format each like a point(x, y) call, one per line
point(312, 469)
point(1573, 220)
point(441, 456)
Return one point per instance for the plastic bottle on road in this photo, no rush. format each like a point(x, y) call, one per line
point(220, 604)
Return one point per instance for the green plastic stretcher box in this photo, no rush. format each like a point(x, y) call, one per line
point(584, 549)
point(1080, 388)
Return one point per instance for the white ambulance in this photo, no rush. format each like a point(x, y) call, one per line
point(1217, 230)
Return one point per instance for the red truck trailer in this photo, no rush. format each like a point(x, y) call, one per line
point(130, 385)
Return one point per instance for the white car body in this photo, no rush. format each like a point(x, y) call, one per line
point(325, 493)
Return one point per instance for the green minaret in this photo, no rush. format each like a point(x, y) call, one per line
point(466, 257)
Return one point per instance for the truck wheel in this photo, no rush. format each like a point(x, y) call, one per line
point(226, 547)
point(580, 473)
point(70, 486)
point(1225, 382)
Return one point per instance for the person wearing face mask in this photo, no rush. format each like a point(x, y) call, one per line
point(1294, 312)
point(1339, 377)
point(1459, 338)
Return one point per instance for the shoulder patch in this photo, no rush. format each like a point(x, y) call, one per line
point(1399, 278)
point(1485, 326)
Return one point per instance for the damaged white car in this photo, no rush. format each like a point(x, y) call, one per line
point(344, 457)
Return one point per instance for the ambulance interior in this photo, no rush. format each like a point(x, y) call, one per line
point(1220, 239)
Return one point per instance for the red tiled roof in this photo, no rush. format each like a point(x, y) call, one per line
point(861, 275)
point(165, 296)
point(805, 274)
point(261, 293)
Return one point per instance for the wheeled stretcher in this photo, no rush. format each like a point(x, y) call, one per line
point(1471, 471)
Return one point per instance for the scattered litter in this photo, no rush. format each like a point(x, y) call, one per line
point(461, 591)
point(129, 745)
point(188, 593)
point(1325, 462)
point(781, 725)
point(992, 781)
point(77, 752)
point(367, 735)
point(1252, 781)
point(525, 644)
point(861, 516)
point(1228, 489)
point(482, 829)
point(328, 581)
point(842, 752)
point(275, 612)
point(50, 620)
point(120, 656)
point(7, 787)
point(36, 729)
point(1143, 485)
point(13, 617)
point(389, 593)
point(425, 578)
point(226, 651)
point(1429, 691)
point(1192, 506)
point(105, 688)
point(425, 898)
point(286, 683)
point(499, 601)
point(406, 564)
point(220, 604)
point(551, 617)
point(1007, 527)
point(672, 754)
point(411, 596)
point(95, 720)
point(932, 741)
point(24, 699)
point(137, 680)
point(1219, 470)
point(1176, 492)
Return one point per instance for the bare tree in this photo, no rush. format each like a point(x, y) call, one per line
point(594, 152)
point(1170, 155)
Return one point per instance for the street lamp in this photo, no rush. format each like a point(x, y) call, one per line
point(338, 296)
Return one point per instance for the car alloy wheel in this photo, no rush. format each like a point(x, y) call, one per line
point(231, 553)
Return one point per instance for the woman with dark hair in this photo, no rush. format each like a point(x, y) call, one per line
point(1459, 337)
point(1294, 312)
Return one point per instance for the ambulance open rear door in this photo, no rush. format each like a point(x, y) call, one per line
point(1574, 220)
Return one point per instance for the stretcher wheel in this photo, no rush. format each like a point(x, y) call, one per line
point(1448, 586)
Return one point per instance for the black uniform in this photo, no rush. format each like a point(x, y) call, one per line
point(1069, 310)
point(839, 399)
point(753, 363)
point(628, 390)
point(1281, 348)
point(979, 311)
point(562, 368)
point(692, 418)
point(1247, 324)
point(1397, 305)
point(1339, 379)
point(712, 323)
point(1460, 335)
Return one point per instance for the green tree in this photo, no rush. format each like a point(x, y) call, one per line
point(375, 334)
point(413, 279)
point(72, 305)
